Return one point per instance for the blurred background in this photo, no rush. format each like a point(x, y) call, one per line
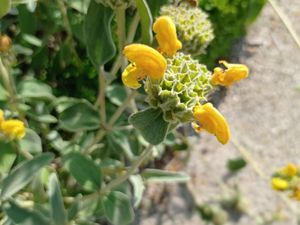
point(230, 184)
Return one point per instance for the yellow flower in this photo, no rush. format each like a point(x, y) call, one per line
point(146, 61)
point(14, 129)
point(279, 184)
point(132, 75)
point(5, 43)
point(166, 35)
point(232, 74)
point(290, 170)
point(296, 194)
point(211, 120)
point(1, 117)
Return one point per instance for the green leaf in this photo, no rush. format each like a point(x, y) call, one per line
point(80, 116)
point(236, 164)
point(3, 93)
point(97, 34)
point(155, 6)
point(31, 88)
point(22, 216)
point(138, 188)
point(84, 170)
point(163, 176)
point(4, 7)
point(146, 21)
point(117, 208)
point(58, 211)
point(116, 94)
point(23, 173)
point(31, 142)
point(151, 124)
point(7, 157)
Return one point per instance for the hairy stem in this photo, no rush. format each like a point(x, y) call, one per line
point(101, 133)
point(146, 153)
point(101, 96)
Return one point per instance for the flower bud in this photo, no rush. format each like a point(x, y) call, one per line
point(184, 85)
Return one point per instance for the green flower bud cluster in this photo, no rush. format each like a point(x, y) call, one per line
point(115, 3)
point(194, 29)
point(185, 84)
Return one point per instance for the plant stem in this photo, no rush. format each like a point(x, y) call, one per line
point(132, 29)
point(147, 152)
point(70, 40)
point(101, 96)
point(101, 133)
point(121, 25)
point(285, 21)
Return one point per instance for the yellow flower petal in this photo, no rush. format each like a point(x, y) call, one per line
point(14, 129)
point(146, 59)
point(290, 170)
point(232, 74)
point(1, 117)
point(166, 35)
point(279, 184)
point(296, 194)
point(212, 121)
point(131, 76)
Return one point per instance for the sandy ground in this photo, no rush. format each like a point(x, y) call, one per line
point(264, 116)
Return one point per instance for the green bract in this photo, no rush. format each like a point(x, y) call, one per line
point(185, 84)
point(194, 29)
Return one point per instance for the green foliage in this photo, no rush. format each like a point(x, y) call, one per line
point(151, 124)
point(230, 20)
point(97, 34)
point(117, 208)
point(236, 164)
point(86, 141)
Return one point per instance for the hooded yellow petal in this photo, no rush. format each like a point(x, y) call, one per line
point(146, 59)
point(15, 129)
point(232, 74)
point(212, 121)
point(166, 35)
point(131, 76)
point(279, 184)
point(290, 170)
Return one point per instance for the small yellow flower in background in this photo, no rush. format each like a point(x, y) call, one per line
point(290, 170)
point(232, 74)
point(296, 194)
point(14, 129)
point(1, 117)
point(5, 43)
point(211, 120)
point(279, 184)
point(145, 61)
point(166, 35)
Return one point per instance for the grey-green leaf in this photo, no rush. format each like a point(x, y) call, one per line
point(4, 7)
point(138, 188)
point(151, 124)
point(23, 174)
point(58, 211)
point(155, 175)
point(80, 116)
point(31, 88)
point(84, 170)
point(31, 142)
point(97, 34)
point(146, 21)
point(117, 208)
point(22, 216)
point(7, 157)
